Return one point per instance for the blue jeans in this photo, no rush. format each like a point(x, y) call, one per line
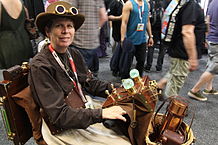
point(91, 59)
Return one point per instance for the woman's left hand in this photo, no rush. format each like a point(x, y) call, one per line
point(114, 112)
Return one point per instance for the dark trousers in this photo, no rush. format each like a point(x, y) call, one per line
point(140, 55)
point(160, 59)
point(104, 40)
point(91, 59)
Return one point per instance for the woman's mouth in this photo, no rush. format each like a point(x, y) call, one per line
point(64, 38)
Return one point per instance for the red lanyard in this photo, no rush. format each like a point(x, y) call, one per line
point(73, 67)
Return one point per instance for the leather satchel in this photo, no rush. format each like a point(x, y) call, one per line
point(172, 138)
point(145, 95)
point(139, 107)
point(73, 100)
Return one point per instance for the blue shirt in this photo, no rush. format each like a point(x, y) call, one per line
point(137, 37)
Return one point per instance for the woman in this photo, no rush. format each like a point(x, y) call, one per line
point(55, 71)
point(15, 46)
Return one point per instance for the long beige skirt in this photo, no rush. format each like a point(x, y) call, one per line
point(95, 134)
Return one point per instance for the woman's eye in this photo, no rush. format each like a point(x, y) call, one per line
point(58, 25)
point(70, 26)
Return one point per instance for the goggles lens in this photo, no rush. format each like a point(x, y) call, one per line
point(74, 10)
point(60, 9)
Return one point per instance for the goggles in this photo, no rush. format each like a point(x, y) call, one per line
point(60, 9)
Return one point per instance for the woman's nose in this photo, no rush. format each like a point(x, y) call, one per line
point(65, 29)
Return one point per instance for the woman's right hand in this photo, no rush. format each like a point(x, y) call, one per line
point(114, 112)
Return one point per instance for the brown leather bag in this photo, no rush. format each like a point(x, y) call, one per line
point(172, 138)
point(140, 112)
point(25, 100)
point(145, 95)
point(73, 100)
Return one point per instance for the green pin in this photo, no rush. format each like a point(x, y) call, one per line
point(134, 73)
point(127, 83)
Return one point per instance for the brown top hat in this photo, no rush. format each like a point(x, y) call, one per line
point(59, 9)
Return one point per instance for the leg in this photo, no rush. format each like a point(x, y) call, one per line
point(91, 59)
point(206, 78)
point(94, 67)
point(163, 82)
point(140, 54)
point(95, 134)
point(209, 88)
point(114, 46)
point(195, 92)
point(160, 59)
point(178, 73)
point(149, 58)
point(101, 49)
point(84, 54)
point(212, 67)
point(209, 85)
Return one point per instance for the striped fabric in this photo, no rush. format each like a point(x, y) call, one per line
point(87, 36)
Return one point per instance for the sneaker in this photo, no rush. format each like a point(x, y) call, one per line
point(198, 96)
point(211, 92)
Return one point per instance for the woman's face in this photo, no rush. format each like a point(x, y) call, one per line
point(61, 33)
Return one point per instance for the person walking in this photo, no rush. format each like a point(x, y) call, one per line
point(156, 16)
point(212, 66)
point(183, 29)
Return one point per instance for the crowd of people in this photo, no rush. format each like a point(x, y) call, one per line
point(69, 62)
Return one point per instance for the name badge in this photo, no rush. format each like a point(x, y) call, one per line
point(140, 27)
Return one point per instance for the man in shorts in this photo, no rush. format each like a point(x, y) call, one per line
point(183, 30)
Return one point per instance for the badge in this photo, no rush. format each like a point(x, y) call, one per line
point(140, 27)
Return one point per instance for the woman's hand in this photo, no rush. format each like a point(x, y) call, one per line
point(114, 112)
